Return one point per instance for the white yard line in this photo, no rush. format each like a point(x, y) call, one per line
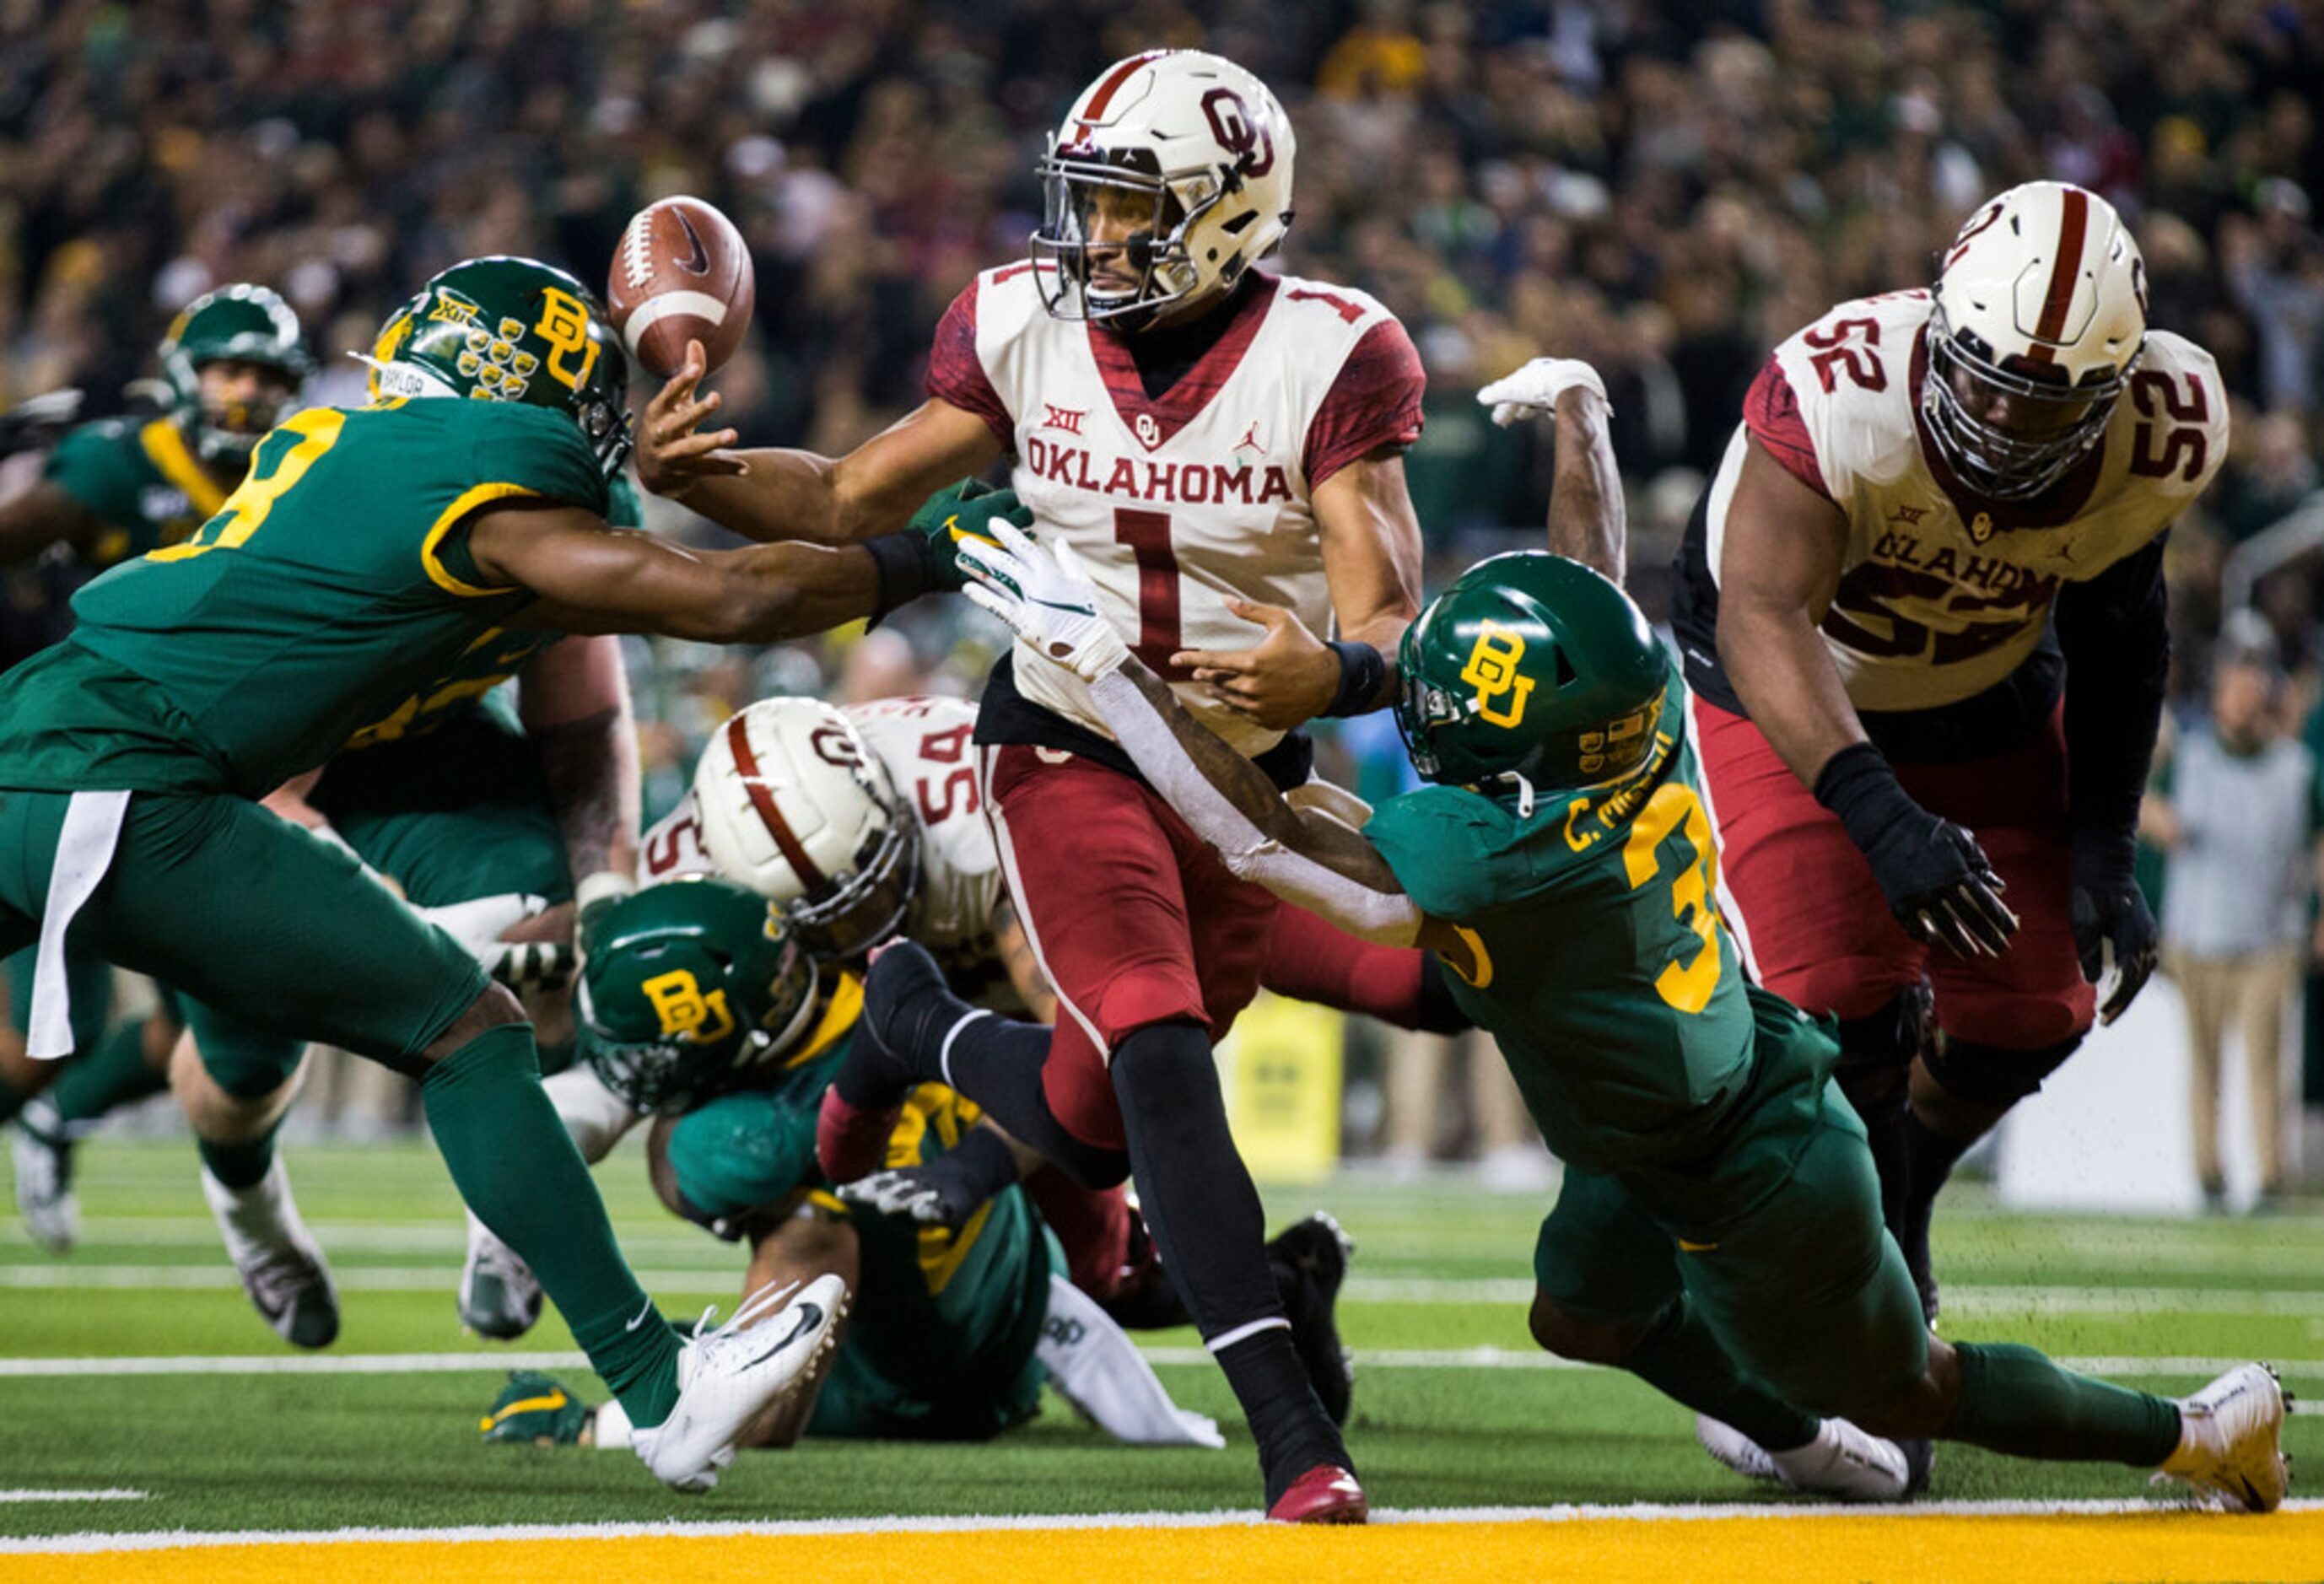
point(19, 1497)
point(1642, 1512)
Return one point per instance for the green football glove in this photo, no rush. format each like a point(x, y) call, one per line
point(533, 1410)
point(964, 511)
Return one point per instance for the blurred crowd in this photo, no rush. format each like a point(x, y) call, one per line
point(1664, 189)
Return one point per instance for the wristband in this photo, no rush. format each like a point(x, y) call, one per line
point(1860, 788)
point(1362, 672)
point(901, 561)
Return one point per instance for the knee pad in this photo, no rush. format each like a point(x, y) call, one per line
point(1989, 1076)
point(1162, 1068)
point(1876, 1050)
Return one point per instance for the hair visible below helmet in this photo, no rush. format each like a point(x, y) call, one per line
point(795, 807)
point(1531, 666)
point(2042, 300)
point(510, 329)
point(1194, 137)
point(239, 323)
point(691, 988)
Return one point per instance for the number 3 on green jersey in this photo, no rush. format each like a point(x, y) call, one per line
point(282, 460)
point(1675, 809)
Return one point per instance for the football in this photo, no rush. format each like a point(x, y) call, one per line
point(681, 274)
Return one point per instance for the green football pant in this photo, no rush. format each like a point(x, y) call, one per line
point(1806, 1292)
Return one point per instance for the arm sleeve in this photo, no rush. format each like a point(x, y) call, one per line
point(1390, 918)
point(2117, 638)
point(957, 374)
point(1374, 402)
point(1771, 411)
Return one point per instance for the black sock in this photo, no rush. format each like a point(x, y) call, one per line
point(240, 1166)
point(928, 1034)
point(1205, 1218)
point(1929, 1161)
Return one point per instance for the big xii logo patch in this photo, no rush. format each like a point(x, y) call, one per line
point(685, 1013)
point(1492, 671)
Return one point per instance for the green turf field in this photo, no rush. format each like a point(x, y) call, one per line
point(1453, 1406)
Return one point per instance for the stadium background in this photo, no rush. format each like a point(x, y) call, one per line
point(1666, 189)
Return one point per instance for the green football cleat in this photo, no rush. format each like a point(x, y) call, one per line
point(534, 1410)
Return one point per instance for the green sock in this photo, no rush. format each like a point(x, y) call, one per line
point(1682, 1359)
point(517, 1168)
point(239, 1165)
point(112, 1076)
point(2014, 1400)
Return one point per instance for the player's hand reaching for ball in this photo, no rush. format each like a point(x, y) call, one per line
point(1289, 677)
point(674, 452)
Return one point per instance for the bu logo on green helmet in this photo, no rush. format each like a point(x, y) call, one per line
point(241, 324)
point(692, 987)
point(1535, 666)
point(510, 329)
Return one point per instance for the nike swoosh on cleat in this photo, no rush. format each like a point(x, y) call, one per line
point(699, 265)
point(810, 1316)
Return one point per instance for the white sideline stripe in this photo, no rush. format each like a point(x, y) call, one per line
point(72, 1495)
point(1642, 1512)
point(1959, 1299)
point(1486, 1358)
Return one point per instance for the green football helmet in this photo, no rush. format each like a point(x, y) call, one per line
point(1534, 667)
point(510, 329)
point(692, 987)
point(240, 324)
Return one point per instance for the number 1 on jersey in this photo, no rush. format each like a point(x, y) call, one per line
point(1148, 535)
point(1686, 986)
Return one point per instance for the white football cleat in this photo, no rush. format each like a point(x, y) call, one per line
point(280, 1263)
point(1731, 1447)
point(44, 1196)
point(727, 1378)
point(1842, 1461)
point(2230, 1441)
point(499, 1297)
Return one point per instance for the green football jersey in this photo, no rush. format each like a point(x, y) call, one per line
point(334, 582)
point(1605, 975)
point(140, 479)
point(497, 654)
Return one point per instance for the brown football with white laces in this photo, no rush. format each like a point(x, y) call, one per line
point(681, 274)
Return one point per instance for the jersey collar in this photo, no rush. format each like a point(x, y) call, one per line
point(1156, 419)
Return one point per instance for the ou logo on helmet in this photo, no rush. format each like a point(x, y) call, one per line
point(1239, 131)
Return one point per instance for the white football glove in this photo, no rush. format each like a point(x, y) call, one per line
point(1045, 598)
point(1534, 390)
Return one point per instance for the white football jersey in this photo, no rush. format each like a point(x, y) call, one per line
point(924, 744)
point(1942, 595)
point(1176, 502)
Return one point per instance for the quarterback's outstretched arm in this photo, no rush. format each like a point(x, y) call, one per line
point(777, 494)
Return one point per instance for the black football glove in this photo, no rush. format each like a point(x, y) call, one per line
point(38, 420)
point(944, 1192)
point(2110, 913)
point(1937, 881)
point(962, 510)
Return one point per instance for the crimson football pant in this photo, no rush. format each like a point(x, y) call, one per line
point(1153, 948)
point(1815, 928)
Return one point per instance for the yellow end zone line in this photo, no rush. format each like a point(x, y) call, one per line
point(1955, 1541)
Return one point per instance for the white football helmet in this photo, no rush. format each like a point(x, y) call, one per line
point(796, 807)
point(2041, 315)
point(1188, 157)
